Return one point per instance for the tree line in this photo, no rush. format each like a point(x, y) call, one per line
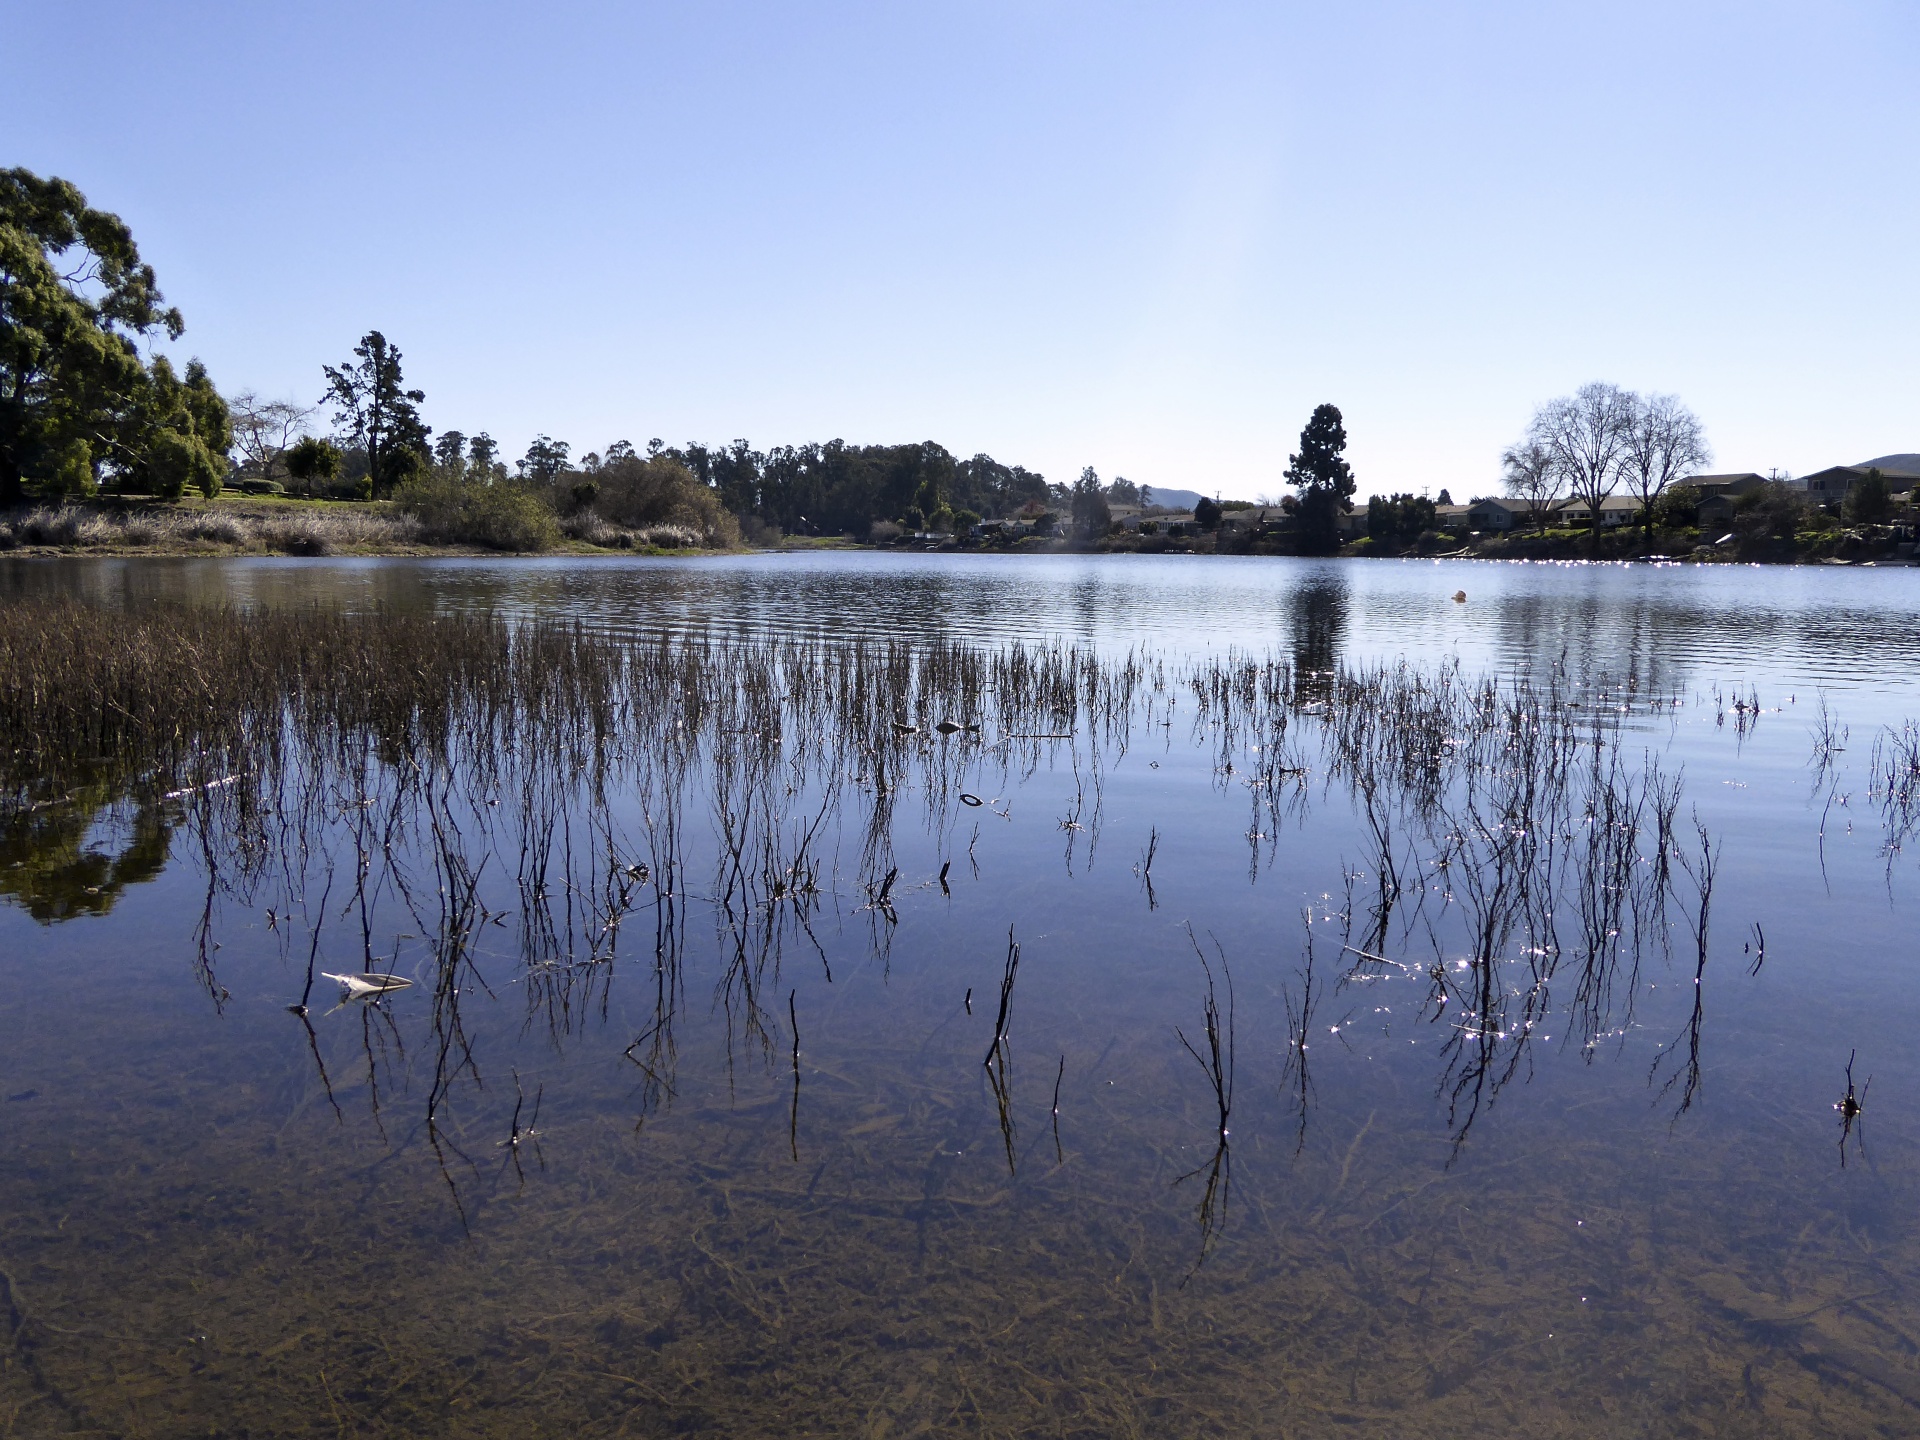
point(87, 406)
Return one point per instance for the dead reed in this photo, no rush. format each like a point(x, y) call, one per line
point(636, 783)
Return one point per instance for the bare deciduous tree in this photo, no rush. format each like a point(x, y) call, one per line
point(1585, 437)
point(264, 429)
point(1665, 444)
point(1531, 475)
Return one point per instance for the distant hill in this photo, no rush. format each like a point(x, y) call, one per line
point(1174, 499)
point(1906, 464)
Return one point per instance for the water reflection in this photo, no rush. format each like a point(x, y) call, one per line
point(1318, 622)
point(601, 861)
point(1664, 628)
point(78, 854)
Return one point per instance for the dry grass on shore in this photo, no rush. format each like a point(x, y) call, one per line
point(285, 530)
point(290, 532)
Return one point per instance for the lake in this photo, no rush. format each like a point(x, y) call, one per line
point(1283, 998)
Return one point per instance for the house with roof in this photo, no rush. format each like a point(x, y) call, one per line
point(1718, 494)
point(1830, 486)
point(1614, 511)
point(1254, 520)
point(1498, 512)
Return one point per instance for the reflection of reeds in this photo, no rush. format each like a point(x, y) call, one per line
point(1681, 1059)
point(998, 1059)
point(551, 788)
point(1216, 1063)
point(1895, 770)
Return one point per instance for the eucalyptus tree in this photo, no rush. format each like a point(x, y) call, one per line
point(483, 460)
point(77, 400)
point(545, 460)
point(450, 454)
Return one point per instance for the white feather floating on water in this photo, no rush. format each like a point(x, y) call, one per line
point(195, 789)
point(358, 985)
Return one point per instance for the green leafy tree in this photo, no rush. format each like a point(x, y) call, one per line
point(1207, 513)
point(450, 453)
point(1771, 512)
point(483, 460)
point(1399, 517)
point(1091, 516)
point(1870, 501)
point(371, 399)
point(1323, 479)
point(177, 433)
point(545, 459)
point(313, 460)
point(1123, 492)
point(76, 399)
point(1679, 506)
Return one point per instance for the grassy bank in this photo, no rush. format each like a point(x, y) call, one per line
point(272, 525)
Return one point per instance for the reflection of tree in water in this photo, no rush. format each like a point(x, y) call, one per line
point(77, 855)
point(1319, 624)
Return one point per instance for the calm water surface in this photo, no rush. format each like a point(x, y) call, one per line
point(1631, 1210)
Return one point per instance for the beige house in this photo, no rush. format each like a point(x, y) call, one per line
point(1615, 511)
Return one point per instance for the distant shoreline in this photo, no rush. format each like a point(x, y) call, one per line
point(242, 527)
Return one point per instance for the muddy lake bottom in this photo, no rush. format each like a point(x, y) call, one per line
point(753, 1080)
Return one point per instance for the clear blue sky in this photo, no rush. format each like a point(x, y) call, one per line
point(1149, 238)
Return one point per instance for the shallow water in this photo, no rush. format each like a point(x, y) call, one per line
point(1633, 1218)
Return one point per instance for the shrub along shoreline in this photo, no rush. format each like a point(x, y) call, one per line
point(427, 525)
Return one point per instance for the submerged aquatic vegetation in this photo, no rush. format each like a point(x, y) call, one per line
point(561, 836)
point(409, 758)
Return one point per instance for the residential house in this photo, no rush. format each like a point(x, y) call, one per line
point(1830, 486)
point(1498, 512)
point(1452, 517)
point(1256, 520)
point(1615, 511)
point(1729, 484)
point(1718, 495)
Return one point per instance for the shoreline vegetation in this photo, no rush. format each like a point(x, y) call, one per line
point(242, 525)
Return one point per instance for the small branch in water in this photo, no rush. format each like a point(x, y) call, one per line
point(1851, 1108)
point(998, 1057)
point(793, 1118)
point(1059, 1155)
point(1145, 868)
